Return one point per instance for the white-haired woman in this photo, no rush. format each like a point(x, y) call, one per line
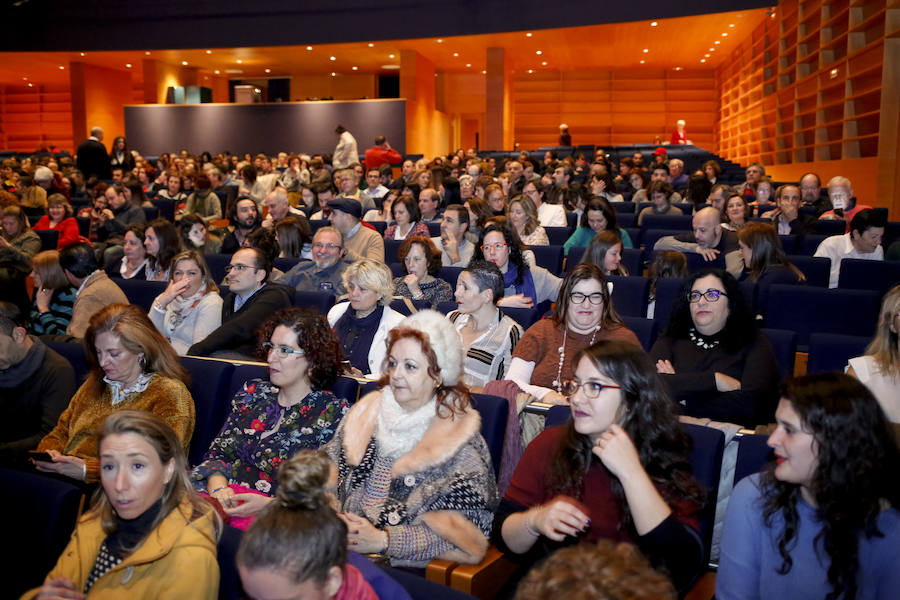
point(363, 321)
point(415, 481)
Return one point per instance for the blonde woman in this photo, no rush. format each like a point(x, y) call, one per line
point(523, 215)
point(362, 322)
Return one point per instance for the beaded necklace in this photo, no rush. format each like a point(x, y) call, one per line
point(562, 356)
point(701, 341)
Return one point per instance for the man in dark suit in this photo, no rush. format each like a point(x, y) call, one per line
point(250, 301)
point(787, 217)
point(92, 156)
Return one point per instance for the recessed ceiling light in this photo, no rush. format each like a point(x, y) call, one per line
point(146, 53)
point(24, 79)
point(127, 65)
point(217, 71)
point(703, 60)
point(30, 85)
point(390, 56)
point(440, 41)
point(544, 63)
point(538, 52)
point(528, 34)
point(309, 47)
point(653, 24)
point(724, 35)
point(712, 49)
point(61, 68)
point(483, 72)
point(646, 50)
point(268, 70)
point(717, 42)
point(456, 54)
point(531, 70)
point(257, 90)
point(468, 64)
point(731, 24)
point(332, 58)
point(371, 45)
point(642, 62)
point(333, 74)
point(240, 62)
point(184, 62)
point(392, 67)
point(209, 51)
point(706, 55)
point(677, 68)
point(833, 73)
point(82, 53)
point(355, 68)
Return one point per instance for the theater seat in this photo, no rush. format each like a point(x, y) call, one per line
point(706, 464)
point(816, 269)
point(494, 412)
point(141, 293)
point(217, 264)
point(646, 330)
point(558, 235)
point(629, 295)
point(667, 291)
point(319, 301)
point(549, 257)
point(210, 382)
point(399, 304)
point(229, 578)
point(74, 353)
point(831, 352)
point(450, 275)
point(877, 275)
point(392, 251)
point(526, 317)
point(49, 238)
point(784, 346)
point(752, 455)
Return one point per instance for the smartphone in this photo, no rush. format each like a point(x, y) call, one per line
point(42, 456)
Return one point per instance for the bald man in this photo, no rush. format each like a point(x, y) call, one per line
point(707, 239)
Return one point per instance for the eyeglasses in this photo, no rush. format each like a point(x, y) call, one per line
point(591, 389)
point(495, 247)
point(282, 351)
point(321, 246)
point(711, 295)
point(579, 298)
point(237, 267)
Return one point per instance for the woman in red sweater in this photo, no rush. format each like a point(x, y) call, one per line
point(59, 218)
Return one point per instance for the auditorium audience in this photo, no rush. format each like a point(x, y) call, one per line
point(272, 419)
point(618, 470)
point(822, 520)
point(668, 263)
point(36, 384)
point(245, 219)
point(712, 357)
point(737, 213)
point(131, 368)
point(863, 242)
point(423, 265)
point(406, 220)
point(146, 531)
point(18, 243)
point(523, 217)
point(362, 321)
point(161, 243)
point(605, 251)
point(598, 216)
point(193, 234)
point(765, 261)
point(203, 201)
point(415, 480)
point(133, 264)
point(786, 216)
point(843, 202)
point(359, 241)
point(879, 367)
point(707, 239)
point(59, 218)
point(53, 298)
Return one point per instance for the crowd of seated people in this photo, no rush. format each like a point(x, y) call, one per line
point(414, 478)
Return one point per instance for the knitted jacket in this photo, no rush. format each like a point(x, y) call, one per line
point(444, 486)
point(79, 426)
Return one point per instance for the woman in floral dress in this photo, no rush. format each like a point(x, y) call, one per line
point(272, 420)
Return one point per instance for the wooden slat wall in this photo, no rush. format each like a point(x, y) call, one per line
point(35, 117)
point(614, 106)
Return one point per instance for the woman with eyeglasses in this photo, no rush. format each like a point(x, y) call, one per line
point(715, 361)
point(618, 470)
point(525, 286)
point(272, 420)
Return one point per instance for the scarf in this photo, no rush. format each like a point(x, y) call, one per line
point(180, 309)
point(526, 288)
point(120, 393)
point(399, 430)
point(130, 533)
point(25, 368)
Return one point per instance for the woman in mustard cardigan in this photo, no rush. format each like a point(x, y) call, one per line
point(132, 368)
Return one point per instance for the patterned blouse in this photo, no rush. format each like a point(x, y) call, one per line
point(260, 434)
point(435, 291)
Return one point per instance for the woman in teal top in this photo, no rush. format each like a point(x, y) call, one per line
point(598, 216)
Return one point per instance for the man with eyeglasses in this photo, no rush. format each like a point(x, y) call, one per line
point(708, 239)
point(348, 184)
point(250, 301)
point(324, 272)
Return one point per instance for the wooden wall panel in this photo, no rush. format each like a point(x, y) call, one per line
point(35, 117)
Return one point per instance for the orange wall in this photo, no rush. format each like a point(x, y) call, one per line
point(342, 87)
point(862, 173)
point(428, 131)
point(98, 99)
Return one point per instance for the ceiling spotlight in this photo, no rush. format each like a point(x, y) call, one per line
point(240, 62)
point(653, 24)
point(468, 64)
point(538, 52)
point(82, 53)
point(355, 68)
point(127, 65)
point(440, 41)
point(544, 63)
point(456, 54)
point(268, 70)
point(332, 58)
point(677, 68)
point(371, 45)
point(24, 79)
point(147, 53)
point(528, 34)
point(217, 71)
point(703, 60)
point(724, 35)
point(642, 62)
point(706, 55)
point(61, 68)
point(333, 74)
point(256, 90)
point(309, 47)
point(646, 50)
point(717, 42)
point(483, 72)
point(390, 56)
point(531, 70)
point(30, 85)
point(731, 24)
point(209, 51)
point(184, 63)
point(833, 73)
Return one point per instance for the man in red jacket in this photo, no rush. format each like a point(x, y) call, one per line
point(380, 154)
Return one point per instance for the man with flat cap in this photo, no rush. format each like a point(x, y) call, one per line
point(359, 242)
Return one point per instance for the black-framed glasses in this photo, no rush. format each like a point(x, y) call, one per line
point(711, 295)
point(590, 389)
point(579, 298)
point(237, 267)
point(282, 351)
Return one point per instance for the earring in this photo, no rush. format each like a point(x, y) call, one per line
point(142, 360)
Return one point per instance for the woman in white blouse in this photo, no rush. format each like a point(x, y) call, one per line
point(523, 216)
point(190, 308)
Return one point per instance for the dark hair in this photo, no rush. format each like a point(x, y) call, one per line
point(699, 188)
point(293, 234)
point(856, 472)
point(168, 243)
point(411, 207)
point(668, 263)
point(264, 240)
point(651, 421)
point(582, 272)
point(766, 250)
point(513, 243)
point(866, 218)
point(184, 227)
point(487, 276)
point(599, 203)
point(19, 215)
point(261, 259)
point(138, 197)
point(740, 327)
point(460, 210)
point(10, 318)
point(660, 187)
point(232, 211)
point(79, 260)
point(314, 336)
point(716, 167)
point(248, 172)
point(600, 244)
point(298, 535)
point(432, 254)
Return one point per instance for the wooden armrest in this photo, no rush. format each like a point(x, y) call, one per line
point(439, 571)
point(704, 588)
point(485, 579)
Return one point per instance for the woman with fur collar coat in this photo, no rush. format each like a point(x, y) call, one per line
point(415, 480)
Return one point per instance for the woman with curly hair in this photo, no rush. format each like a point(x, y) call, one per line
point(271, 420)
point(525, 286)
point(823, 520)
point(617, 470)
point(715, 361)
point(422, 260)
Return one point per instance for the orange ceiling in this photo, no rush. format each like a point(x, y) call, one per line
point(670, 43)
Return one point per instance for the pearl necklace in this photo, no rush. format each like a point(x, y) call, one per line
point(700, 342)
point(562, 356)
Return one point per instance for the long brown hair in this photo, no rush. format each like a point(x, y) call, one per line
point(582, 272)
point(767, 253)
